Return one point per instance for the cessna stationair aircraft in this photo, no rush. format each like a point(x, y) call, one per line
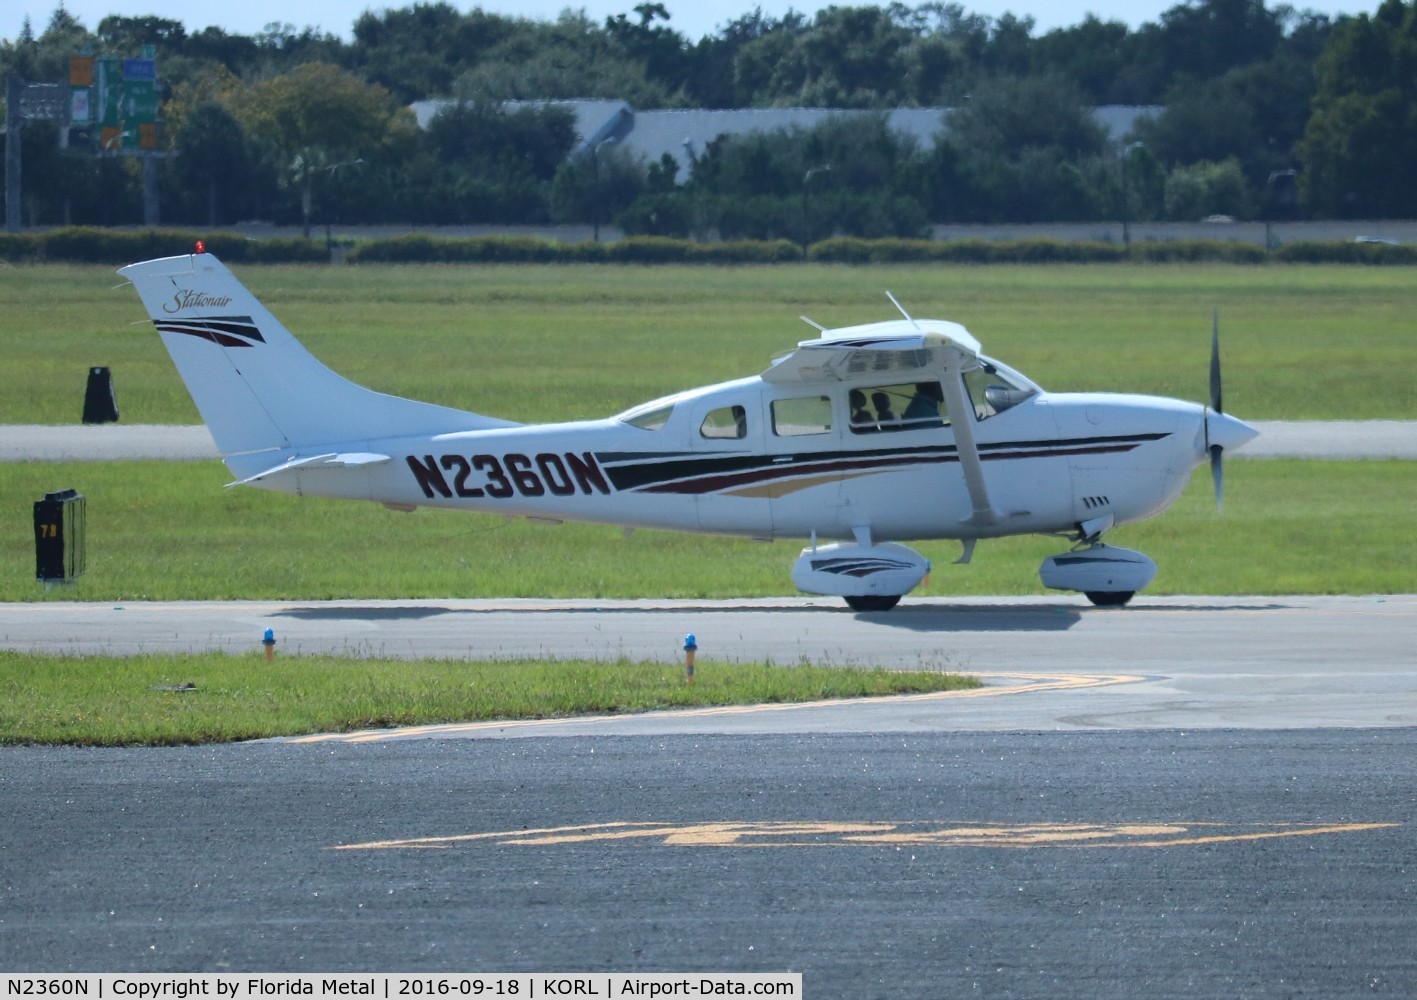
point(861, 437)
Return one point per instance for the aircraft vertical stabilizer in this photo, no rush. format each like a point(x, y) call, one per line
point(256, 387)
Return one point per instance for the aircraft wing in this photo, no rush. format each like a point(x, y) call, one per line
point(893, 348)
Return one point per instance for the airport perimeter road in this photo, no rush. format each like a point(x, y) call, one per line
point(1097, 864)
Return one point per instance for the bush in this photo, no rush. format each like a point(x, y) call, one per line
point(648, 250)
point(84, 245)
point(585, 252)
point(841, 250)
point(746, 252)
point(16, 247)
point(849, 250)
point(899, 251)
point(1343, 252)
point(1195, 251)
point(966, 251)
point(1048, 251)
point(417, 248)
point(414, 248)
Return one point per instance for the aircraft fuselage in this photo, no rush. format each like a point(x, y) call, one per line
point(1130, 456)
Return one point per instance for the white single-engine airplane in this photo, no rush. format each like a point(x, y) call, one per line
point(864, 435)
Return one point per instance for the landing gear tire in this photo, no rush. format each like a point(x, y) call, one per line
point(1109, 598)
point(874, 602)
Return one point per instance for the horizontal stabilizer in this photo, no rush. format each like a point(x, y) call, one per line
point(347, 460)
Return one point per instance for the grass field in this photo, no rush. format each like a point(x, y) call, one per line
point(560, 342)
point(166, 531)
point(163, 699)
point(545, 343)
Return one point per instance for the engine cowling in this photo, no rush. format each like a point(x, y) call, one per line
point(1100, 569)
point(846, 569)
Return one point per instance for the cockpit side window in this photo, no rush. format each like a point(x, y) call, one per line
point(909, 406)
point(727, 422)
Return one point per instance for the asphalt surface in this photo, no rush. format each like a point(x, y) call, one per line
point(1190, 797)
point(1111, 864)
point(1096, 824)
point(1341, 439)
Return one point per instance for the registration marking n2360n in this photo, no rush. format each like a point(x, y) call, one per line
point(513, 474)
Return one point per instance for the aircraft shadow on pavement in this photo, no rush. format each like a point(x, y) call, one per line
point(915, 616)
point(1042, 617)
point(337, 612)
point(944, 617)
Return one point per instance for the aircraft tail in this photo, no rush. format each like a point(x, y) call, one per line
point(254, 384)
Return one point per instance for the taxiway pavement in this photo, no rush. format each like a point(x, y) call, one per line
point(1049, 662)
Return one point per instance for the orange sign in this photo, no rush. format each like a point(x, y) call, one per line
point(81, 71)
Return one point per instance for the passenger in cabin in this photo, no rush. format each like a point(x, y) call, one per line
point(924, 407)
point(884, 413)
point(861, 420)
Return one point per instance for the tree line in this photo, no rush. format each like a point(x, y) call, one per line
point(1266, 113)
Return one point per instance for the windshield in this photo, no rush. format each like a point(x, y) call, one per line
point(994, 388)
point(648, 416)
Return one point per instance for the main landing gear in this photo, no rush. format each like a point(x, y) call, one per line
point(872, 602)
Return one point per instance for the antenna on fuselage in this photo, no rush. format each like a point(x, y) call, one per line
point(895, 302)
point(813, 323)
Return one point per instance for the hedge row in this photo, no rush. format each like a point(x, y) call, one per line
point(1030, 251)
point(844, 250)
point(850, 250)
point(418, 248)
point(109, 246)
point(1347, 253)
point(85, 245)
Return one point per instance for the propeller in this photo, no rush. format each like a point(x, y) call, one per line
point(1217, 466)
point(1222, 431)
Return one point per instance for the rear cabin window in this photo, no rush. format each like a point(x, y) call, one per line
point(801, 416)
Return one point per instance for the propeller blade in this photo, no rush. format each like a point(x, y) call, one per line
point(1215, 361)
point(1217, 473)
point(1217, 453)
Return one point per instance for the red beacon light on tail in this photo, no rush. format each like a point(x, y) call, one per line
point(201, 246)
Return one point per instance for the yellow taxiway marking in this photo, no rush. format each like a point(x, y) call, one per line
point(1030, 683)
point(879, 834)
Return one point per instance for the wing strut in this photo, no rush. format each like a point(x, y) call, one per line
point(961, 412)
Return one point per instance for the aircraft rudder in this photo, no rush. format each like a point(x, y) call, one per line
point(256, 386)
